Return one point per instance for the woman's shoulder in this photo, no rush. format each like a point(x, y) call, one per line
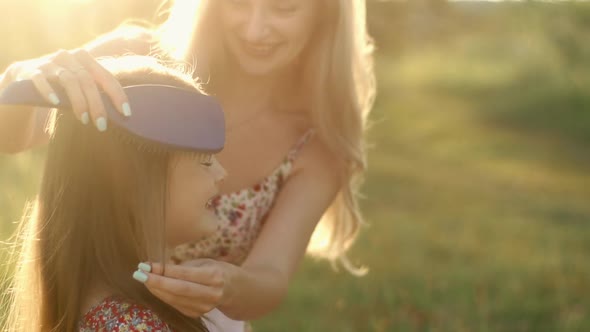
point(128, 38)
point(118, 315)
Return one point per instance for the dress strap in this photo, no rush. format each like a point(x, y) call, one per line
point(300, 144)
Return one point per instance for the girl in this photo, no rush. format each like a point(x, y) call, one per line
point(296, 83)
point(110, 200)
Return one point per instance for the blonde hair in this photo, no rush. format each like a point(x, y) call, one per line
point(338, 78)
point(100, 211)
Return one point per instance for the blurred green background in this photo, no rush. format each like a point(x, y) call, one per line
point(478, 194)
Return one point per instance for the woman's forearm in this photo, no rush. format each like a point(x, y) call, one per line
point(16, 129)
point(253, 292)
point(17, 124)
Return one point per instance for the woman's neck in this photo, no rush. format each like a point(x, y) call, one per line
point(250, 94)
point(242, 88)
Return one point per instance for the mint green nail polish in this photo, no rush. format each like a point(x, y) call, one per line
point(145, 267)
point(140, 276)
point(126, 109)
point(85, 118)
point(54, 99)
point(101, 124)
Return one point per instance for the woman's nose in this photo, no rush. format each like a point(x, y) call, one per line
point(256, 27)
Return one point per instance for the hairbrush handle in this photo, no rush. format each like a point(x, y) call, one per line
point(178, 117)
point(24, 93)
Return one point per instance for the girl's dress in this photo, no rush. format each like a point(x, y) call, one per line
point(116, 315)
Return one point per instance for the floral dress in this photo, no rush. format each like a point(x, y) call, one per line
point(116, 315)
point(242, 215)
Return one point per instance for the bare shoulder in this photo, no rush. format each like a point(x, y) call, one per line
point(317, 162)
point(314, 160)
point(314, 156)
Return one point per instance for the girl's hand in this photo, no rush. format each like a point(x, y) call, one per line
point(81, 76)
point(193, 288)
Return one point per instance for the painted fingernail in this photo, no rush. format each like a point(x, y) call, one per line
point(54, 99)
point(145, 267)
point(126, 109)
point(101, 124)
point(85, 118)
point(140, 276)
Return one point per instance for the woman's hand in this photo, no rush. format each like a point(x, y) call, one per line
point(193, 288)
point(81, 76)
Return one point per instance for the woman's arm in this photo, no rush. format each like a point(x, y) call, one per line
point(262, 282)
point(258, 286)
point(17, 124)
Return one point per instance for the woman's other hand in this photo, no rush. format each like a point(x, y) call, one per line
point(193, 288)
point(82, 79)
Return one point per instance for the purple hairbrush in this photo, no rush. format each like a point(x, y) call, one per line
point(175, 117)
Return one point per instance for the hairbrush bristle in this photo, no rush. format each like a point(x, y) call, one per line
point(146, 146)
point(141, 144)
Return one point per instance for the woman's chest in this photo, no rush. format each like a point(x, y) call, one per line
point(253, 152)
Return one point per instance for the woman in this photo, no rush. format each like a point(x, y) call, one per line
point(296, 83)
point(109, 200)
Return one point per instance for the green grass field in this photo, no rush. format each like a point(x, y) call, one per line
point(478, 195)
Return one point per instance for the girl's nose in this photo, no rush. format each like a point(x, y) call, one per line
point(219, 172)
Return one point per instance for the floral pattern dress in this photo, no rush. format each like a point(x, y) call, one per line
point(116, 315)
point(242, 215)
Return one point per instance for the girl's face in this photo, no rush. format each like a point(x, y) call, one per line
point(192, 184)
point(264, 36)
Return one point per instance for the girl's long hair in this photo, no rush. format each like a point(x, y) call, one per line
point(100, 211)
point(338, 84)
